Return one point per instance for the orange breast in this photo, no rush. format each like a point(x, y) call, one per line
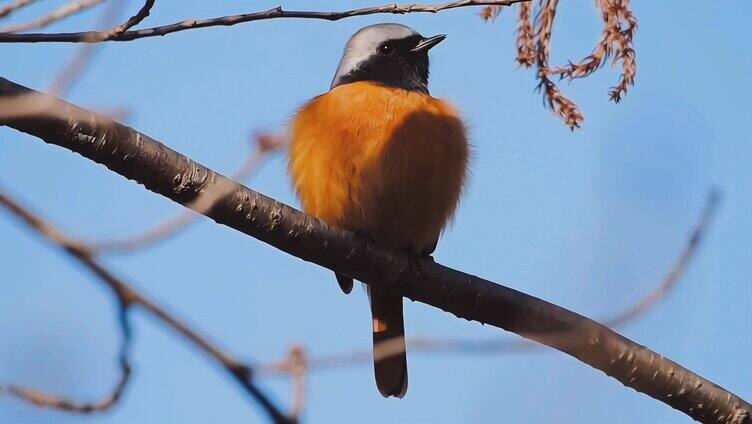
point(383, 160)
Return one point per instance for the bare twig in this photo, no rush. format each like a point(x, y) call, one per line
point(12, 7)
point(276, 13)
point(76, 66)
point(676, 272)
point(45, 400)
point(126, 297)
point(466, 346)
point(54, 16)
point(75, 7)
point(297, 367)
point(124, 303)
point(134, 20)
point(533, 41)
point(265, 145)
point(164, 171)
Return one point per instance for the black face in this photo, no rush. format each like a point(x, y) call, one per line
point(395, 64)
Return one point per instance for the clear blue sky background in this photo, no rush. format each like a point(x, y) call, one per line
point(590, 220)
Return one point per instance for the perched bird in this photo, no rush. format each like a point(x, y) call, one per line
point(378, 155)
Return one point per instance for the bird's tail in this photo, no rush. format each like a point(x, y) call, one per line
point(389, 354)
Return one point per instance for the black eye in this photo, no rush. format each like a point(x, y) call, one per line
point(386, 49)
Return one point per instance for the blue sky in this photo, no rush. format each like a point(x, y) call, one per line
point(589, 220)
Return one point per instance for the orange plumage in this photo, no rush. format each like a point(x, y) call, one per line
point(378, 155)
point(382, 160)
point(385, 161)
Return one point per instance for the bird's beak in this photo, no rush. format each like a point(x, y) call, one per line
point(427, 43)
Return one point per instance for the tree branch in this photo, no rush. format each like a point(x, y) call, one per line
point(10, 8)
point(45, 400)
point(134, 20)
point(276, 13)
point(124, 302)
point(76, 66)
point(265, 145)
point(678, 269)
point(496, 345)
point(166, 172)
point(297, 367)
point(127, 297)
point(54, 16)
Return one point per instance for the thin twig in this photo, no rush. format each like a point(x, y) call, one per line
point(45, 400)
point(265, 145)
point(640, 307)
point(297, 367)
point(79, 62)
point(127, 297)
point(124, 303)
point(275, 13)
point(679, 268)
point(72, 8)
point(532, 41)
point(10, 8)
point(65, 78)
point(54, 16)
point(134, 20)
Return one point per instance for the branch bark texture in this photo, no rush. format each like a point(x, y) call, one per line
point(171, 174)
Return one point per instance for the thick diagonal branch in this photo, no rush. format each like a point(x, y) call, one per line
point(496, 345)
point(166, 172)
point(265, 144)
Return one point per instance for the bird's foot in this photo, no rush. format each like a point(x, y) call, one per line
point(414, 260)
point(427, 255)
point(364, 236)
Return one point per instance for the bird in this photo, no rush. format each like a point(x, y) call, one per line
point(379, 156)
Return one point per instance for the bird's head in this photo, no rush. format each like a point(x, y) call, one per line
point(391, 54)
